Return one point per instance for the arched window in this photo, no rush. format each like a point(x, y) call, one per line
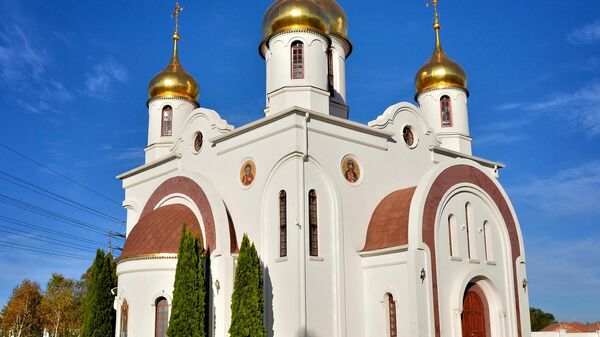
point(167, 121)
point(393, 328)
point(282, 224)
point(487, 241)
point(467, 225)
point(451, 229)
point(297, 60)
point(162, 317)
point(446, 111)
point(330, 72)
point(124, 319)
point(313, 223)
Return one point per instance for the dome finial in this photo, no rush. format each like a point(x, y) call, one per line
point(436, 23)
point(439, 71)
point(174, 81)
point(176, 12)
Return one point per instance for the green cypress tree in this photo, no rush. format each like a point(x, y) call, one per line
point(247, 302)
point(187, 316)
point(202, 300)
point(99, 316)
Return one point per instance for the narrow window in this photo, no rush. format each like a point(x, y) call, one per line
point(392, 316)
point(487, 241)
point(162, 317)
point(446, 111)
point(467, 215)
point(313, 223)
point(282, 224)
point(330, 71)
point(297, 60)
point(450, 233)
point(167, 121)
point(124, 319)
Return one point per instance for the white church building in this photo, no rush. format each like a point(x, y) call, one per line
point(392, 228)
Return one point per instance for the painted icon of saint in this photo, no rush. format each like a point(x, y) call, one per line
point(351, 175)
point(247, 174)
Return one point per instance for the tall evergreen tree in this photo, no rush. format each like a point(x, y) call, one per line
point(247, 302)
point(99, 318)
point(187, 316)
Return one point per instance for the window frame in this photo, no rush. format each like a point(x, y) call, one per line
point(313, 221)
point(164, 132)
point(165, 320)
point(283, 224)
point(392, 318)
point(330, 72)
point(446, 102)
point(297, 60)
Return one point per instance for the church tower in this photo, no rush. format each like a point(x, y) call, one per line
point(173, 95)
point(305, 46)
point(442, 95)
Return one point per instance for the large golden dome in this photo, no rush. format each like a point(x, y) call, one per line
point(440, 71)
point(324, 16)
point(295, 15)
point(174, 81)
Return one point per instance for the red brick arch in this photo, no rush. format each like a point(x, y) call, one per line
point(191, 189)
point(445, 181)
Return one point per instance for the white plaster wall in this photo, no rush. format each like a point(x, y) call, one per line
point(141, 295)
point(457, 136)
point(331, 297)
point(386, 274)
point(339, 49)
point(457, 270)
point(159, 146)
point(311, 92)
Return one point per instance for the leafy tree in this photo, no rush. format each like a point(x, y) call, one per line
point(59, 306)
point(247, 302)
point(99, 318)
point(540, 319)
point(188, 309)
point(22, 315)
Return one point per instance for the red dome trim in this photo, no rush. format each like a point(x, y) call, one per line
point(190, 188)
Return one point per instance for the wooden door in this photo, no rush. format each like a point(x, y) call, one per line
point(473, 316)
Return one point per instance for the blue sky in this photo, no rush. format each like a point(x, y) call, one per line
point(73, 79)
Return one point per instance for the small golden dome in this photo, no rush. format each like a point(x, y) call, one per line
point(440, 71)
point(174, 81)
point(295, 15)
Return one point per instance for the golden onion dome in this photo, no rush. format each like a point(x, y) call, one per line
point(174, 81)
point(284, 15)
point(338, 21)
point(440, 71)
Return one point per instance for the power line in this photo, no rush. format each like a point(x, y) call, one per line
point(50, 214)
point(60, 174)
point(56, 242)
point(56, 197)
point(48, 231)
point(43, 252)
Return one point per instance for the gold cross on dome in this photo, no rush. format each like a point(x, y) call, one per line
point(434, 4)
point(176, 13)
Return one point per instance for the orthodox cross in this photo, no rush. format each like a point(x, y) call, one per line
point(434, 4)
point(176, 13)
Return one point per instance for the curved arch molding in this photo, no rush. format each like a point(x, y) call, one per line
point(447, 179)
point(191, 189)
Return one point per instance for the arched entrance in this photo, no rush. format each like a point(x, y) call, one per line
point(475, 320)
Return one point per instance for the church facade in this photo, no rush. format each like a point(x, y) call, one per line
point(388, 229)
